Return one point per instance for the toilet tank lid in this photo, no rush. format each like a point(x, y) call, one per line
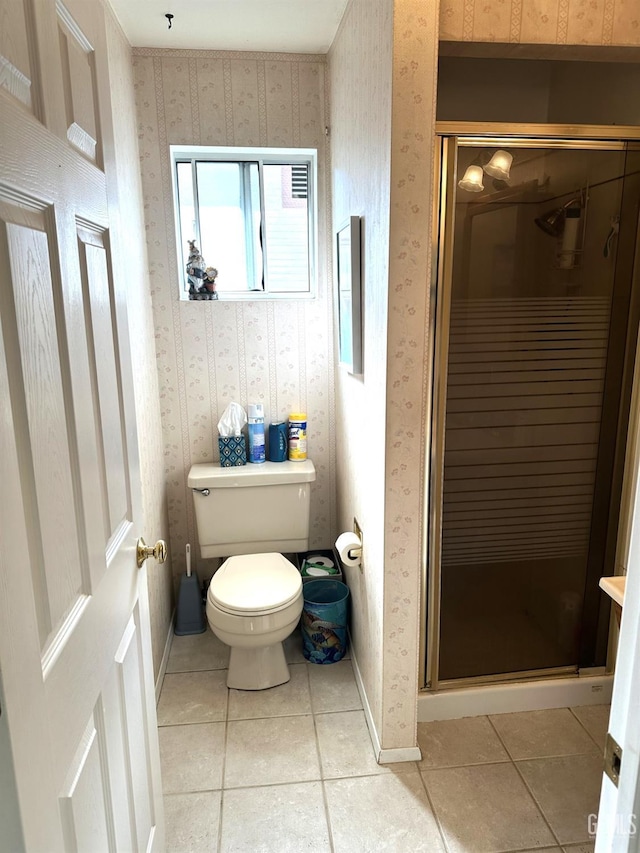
point(212, 475)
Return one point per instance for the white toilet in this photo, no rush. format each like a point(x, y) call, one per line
point(252, 514)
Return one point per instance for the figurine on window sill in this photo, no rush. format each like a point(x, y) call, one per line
point(210, 275)
point(201, 278)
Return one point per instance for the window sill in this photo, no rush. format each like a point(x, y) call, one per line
point(251, 296)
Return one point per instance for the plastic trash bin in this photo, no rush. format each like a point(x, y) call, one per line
point(324, 620)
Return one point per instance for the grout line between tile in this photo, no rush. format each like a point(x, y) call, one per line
point(311, 692)
point(500, 738)
point(255, 787)
point(226, 738)
point(194, 791)
point(533, 849)
point(317, 739)
point(433, 811)
point(370, 775)
point(524, 782)
point(223, 770)
point(547, 755)
point(219, 839)
point(190, 723)
point(339, 711)
point(325, 800)
point(586, 730)
point(327, 816)
point(269, 717)
point(194, 671)
point(504, 760)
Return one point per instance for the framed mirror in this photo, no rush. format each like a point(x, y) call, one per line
point(349, 295)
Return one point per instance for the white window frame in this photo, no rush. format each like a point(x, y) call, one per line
point(263, 156)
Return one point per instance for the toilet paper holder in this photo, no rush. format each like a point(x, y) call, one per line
point(355, 551)
point(349, 547)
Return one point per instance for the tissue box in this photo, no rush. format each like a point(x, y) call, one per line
point(233, 450)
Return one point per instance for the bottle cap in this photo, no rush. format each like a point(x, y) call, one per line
point(298, 416)
point(255, 410)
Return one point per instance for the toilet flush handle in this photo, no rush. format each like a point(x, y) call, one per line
point(204, 492)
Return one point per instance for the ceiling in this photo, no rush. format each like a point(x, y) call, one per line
point(281, 26)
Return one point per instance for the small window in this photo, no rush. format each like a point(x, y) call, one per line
point(245, 221)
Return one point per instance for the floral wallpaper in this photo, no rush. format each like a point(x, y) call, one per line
point(360, 165)
point(382, 161)
point(150, 444)
point(415, 54)
point(276, 352)
point(593, 22)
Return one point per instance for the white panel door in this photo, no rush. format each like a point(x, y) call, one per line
point(75, 650)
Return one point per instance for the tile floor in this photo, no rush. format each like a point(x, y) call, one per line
point(291, 769)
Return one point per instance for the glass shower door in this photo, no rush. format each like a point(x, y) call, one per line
point(533, 360)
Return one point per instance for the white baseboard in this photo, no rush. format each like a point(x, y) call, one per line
point(508, 698)
point(165, 660)
point(392, 756)
point(373, 734)
point(382, 756)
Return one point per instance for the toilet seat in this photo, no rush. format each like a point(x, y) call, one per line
point(255, 585)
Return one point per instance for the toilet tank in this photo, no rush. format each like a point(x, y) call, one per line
point(252, 509)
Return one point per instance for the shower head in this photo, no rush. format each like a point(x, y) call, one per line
point(552, 222)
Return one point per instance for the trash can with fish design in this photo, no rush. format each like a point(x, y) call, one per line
point(324, 621)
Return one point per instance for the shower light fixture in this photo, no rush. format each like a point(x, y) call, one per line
point(497, 167)
point(500, 165)
point(472, 180)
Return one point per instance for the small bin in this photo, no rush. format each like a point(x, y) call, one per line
point(324, 621)
point(233, 450)
point(319, 564)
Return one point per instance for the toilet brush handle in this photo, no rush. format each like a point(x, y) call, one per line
point(188, 560)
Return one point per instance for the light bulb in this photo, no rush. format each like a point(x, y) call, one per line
point(472, 180)
point(499, 166)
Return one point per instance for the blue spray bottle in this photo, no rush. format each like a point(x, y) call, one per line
point(256, 432)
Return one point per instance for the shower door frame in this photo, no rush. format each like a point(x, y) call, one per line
point(477, 134)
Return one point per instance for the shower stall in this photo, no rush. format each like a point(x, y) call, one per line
point(536, 327)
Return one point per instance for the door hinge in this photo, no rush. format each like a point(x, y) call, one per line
point(612, 759)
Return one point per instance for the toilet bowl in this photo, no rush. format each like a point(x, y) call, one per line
point(254, 603)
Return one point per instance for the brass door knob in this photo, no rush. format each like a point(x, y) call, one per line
point(159, 551)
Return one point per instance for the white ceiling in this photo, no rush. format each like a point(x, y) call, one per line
point(282, 26)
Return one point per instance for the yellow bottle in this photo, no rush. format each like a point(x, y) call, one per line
point(297, 437)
